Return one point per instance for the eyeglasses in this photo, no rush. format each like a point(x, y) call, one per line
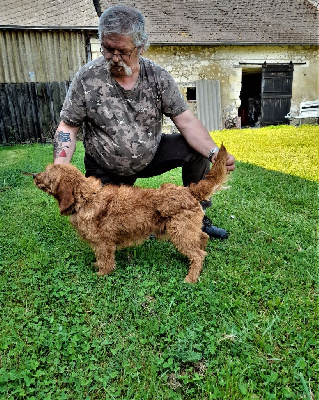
point(109, 54)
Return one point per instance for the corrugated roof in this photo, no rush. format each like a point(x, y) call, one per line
point(183, 21)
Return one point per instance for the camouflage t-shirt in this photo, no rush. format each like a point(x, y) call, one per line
point(122, 128)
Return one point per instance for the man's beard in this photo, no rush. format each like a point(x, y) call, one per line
point(111, 64)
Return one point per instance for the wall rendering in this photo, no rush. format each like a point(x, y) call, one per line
point(227, 63)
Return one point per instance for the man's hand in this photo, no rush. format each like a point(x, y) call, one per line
point(230, 163)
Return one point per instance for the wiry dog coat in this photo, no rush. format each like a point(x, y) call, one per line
point(110, 217)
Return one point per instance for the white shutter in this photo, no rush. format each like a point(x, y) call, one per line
point(209, 104)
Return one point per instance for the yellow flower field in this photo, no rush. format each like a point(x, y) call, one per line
point(288, 149)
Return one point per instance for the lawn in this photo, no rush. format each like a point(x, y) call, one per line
point(247, 330)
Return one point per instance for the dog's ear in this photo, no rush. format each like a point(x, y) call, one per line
point(65, 197)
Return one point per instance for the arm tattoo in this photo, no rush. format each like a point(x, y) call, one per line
point(59, 144)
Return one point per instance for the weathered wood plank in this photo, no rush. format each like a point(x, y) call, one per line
point(30, 112)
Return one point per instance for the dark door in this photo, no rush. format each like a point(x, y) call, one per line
point(276, 85)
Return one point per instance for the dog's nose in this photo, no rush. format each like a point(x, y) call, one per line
point(29, 174)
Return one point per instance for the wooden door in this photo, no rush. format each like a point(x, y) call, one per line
point(276, 90)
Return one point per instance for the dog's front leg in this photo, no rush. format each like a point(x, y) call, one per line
point(105, 258)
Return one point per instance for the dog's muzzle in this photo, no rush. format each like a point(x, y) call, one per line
point(29, 174)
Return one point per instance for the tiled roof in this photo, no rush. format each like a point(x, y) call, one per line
point(48, 13)
point(183, 21)
point(229, 21)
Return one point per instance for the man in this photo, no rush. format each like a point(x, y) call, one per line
point(121, 98)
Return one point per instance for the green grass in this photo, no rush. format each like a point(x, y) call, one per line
point(247, 330)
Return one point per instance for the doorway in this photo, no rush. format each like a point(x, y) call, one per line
point(250, 96)
point(266, 94)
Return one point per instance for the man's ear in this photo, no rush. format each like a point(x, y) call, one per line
point(65, 198)
point(141, 50)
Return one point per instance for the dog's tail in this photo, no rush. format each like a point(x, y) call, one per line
point(214, 180)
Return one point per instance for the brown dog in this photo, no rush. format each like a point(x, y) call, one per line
point(111, 217)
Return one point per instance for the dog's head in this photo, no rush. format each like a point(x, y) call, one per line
point(60, 181)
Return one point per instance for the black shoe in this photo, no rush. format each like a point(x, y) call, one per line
point(212, 231)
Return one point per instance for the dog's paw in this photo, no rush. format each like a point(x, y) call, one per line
point(103, 269)
point(101, 273)
point(190, 279)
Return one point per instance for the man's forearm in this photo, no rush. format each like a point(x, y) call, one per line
point(198, 137)
point(64, 143)
point(195, 133)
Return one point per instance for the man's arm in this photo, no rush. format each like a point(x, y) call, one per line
point(197, 136)
point(64, 143)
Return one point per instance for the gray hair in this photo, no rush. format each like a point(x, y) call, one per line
point(124, 20)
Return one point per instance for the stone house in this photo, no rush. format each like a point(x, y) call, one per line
point(253, 59)
point(238, 62)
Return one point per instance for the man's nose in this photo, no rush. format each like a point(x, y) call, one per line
point(118, 57)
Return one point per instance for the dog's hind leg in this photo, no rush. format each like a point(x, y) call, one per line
point(105, 259)
point(196, 258)
point(191, 242)
point(203, 239)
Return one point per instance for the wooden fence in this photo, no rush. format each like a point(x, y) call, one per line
point(30, 112)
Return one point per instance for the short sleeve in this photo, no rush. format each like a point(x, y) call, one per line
point(173, 102)
point(73, 111)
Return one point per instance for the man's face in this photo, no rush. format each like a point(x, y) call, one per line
point(120, 53)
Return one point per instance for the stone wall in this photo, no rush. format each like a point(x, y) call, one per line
point(228, 63)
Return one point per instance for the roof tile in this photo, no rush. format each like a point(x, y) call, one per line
point(180, 21)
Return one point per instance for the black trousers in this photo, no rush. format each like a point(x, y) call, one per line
point(173, 152)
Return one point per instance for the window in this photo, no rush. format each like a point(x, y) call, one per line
point(191, 94)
